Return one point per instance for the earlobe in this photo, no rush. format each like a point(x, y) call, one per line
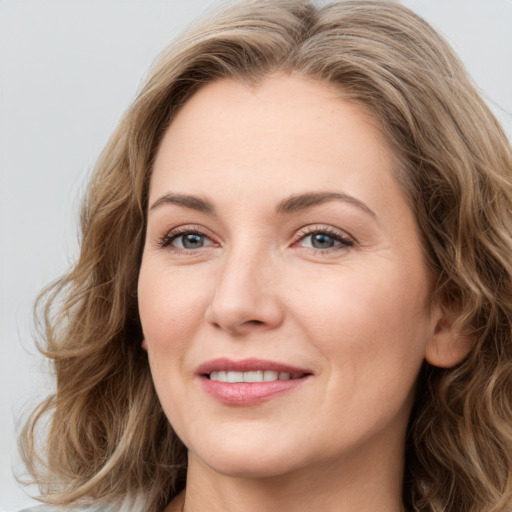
point(449, 344)
point(144, 345)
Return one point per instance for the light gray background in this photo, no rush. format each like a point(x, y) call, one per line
point(68, 69)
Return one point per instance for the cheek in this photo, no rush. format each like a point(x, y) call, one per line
point(370, 326)
point(170, 306)
point(364, 303)
point(170, 313)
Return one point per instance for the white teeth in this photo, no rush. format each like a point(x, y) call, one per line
point(254, 376)
point(235, 377)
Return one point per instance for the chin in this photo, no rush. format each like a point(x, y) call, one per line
point(240, 460)
point(250, 467)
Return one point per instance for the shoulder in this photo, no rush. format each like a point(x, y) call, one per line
point(126, 505)
point(52, 508)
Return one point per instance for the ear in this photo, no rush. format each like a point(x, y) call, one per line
point(144, 345)
point(449, 344)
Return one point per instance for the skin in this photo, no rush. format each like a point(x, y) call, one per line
point(356, 315)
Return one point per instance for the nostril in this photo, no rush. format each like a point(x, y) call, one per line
point(255, 322)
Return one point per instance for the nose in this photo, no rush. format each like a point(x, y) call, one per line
point(246, 296)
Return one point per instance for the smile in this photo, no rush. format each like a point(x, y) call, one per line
point(249, 381)
point(252, 376)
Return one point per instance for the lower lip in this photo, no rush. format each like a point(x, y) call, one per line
point(248, 393)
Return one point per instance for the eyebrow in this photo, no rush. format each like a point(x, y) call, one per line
point(192, 202)
point(300, 202)
point(292, 204)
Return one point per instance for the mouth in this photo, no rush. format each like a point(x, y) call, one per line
point(249, 381)
point(252, 376)
point(249, 370)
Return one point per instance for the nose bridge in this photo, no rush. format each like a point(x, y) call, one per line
point(246, 293)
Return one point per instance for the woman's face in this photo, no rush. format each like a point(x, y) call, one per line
point(282, 292)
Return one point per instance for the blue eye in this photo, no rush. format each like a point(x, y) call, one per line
point(189, 241)
point(323, 240)
point(186, 240)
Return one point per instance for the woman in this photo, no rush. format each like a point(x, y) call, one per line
point(294, 288)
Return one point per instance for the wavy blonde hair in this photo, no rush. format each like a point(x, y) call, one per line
point(106, 435)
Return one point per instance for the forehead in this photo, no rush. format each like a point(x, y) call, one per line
point(287, 132)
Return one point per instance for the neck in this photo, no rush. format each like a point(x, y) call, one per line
point(361, 484)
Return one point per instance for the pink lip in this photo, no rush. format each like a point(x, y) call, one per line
point(248, 393)
point(246, 365)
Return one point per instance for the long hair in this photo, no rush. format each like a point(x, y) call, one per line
point(106, 435)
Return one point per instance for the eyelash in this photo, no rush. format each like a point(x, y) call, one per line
point(171, 236)
point(338, 236)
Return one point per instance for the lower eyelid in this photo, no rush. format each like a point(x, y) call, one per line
point(340, 244)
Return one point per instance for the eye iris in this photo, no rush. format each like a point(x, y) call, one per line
point(322, 241)
point(192, 241)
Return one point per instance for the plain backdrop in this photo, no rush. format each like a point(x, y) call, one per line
point(68, 69)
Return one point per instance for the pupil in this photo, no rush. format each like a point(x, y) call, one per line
point(322, 241)
point(192, 241)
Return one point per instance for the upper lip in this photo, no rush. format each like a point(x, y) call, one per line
point(247, 365)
